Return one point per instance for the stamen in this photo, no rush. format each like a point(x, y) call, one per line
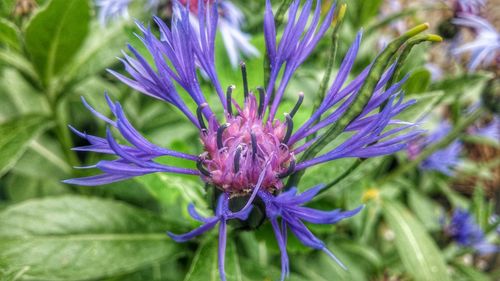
point(199, 165)
point(220, 130)
point(245, 80)
point(254, 145)
point(228, 99)
point(289, 129)
point(200, 115)
point(297, 105)
point(237, 156)
point(262, 94)
point(288, 171)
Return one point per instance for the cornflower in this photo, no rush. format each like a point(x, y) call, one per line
point(249, 152)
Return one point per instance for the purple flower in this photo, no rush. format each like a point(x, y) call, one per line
point(472, 7)
point(110, 10)
point(288, 206)
point(250, 151)
point(490, 131)
point(465, 231)
point(235, 41)
point(443, 160)
point(230, 22)
point(485, 48)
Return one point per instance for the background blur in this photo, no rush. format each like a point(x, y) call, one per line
point(52, 52)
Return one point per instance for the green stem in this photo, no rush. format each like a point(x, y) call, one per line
point(347, 172)
point(59, 116)
point(406, 52)
point(332, 54)
point(359, 102)
point(444, 142)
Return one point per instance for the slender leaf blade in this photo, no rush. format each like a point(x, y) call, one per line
point(417, 250)
point(16, 136)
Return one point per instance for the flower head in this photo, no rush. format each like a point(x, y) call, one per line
point(485, 48)
point(490, 131)
point(230, 23)
point(249, 151)
point(472, 7)
point(464, 230)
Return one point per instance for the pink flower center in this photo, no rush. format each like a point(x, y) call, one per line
point(239, 152)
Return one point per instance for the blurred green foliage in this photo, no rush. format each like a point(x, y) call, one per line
point(58, 52)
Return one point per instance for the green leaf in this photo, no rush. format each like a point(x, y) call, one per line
point(16, 136)
point(175, 191)
point(99, 51)
point(79, 238)
point(469, 273)
point(205, 263)
point(12, 275)
point(418, 82)
point(6, 7)
point(9, 34)
point(44, 159)
point(425, 102)
point(55, 34)
point(14, 59)
point(425, 209)
point(480, 207)
point(417, 250)
point(19, 187)
point(21, 95)
point(464, 85)
point(321, 267)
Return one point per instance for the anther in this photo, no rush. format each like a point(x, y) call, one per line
point(220, 130)
point(229, 92)
point(237, 155)
point(200, 115)
point(288, 171)
point(199, 165)
point(289, 128)
point(245, 80)
point(262, 94)
point(297, 105)
point(254, 145)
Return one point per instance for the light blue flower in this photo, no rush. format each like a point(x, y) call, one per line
point(485, 48)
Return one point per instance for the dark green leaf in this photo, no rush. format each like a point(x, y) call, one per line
point(16, 136)
point(78, 238)
point(9, 34)
point(55, 34)
point(417, 250)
